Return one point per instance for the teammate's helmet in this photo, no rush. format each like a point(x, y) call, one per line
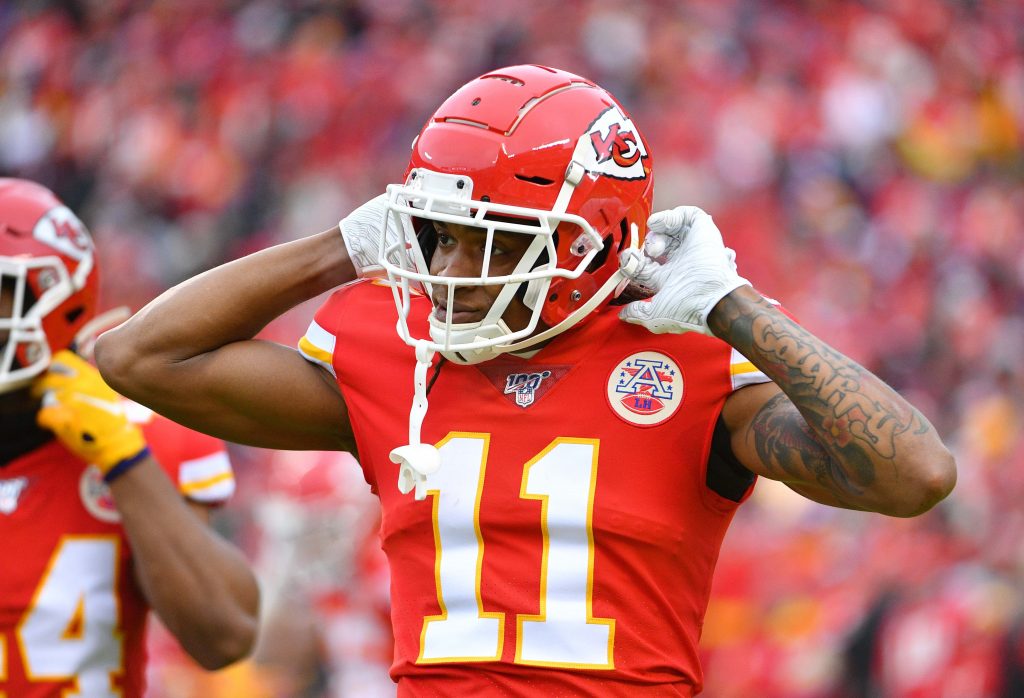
point(529, 150)
point(48, 279)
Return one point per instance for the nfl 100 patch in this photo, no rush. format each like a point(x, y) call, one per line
point(523, 386)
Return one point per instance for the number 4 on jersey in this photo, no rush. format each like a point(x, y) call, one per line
point(69, 632)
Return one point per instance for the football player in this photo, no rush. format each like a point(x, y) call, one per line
point(324, 579)
point(103, 504)
point(568, 468)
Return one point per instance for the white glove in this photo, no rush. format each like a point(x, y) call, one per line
point(689, 269)
point(361, 231)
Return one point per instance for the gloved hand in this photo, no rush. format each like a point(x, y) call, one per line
point(689, 269)
point(362, 229)
point(87, 415)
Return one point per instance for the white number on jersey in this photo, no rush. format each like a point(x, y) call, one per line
point(70, 630)
point(564, 634)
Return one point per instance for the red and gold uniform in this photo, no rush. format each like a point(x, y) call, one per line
point(567, 543)
point(72, 618)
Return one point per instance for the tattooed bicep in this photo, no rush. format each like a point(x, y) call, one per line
point(787, 450)
point(782, 438)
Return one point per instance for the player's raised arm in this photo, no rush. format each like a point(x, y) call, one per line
point(827, 427)
point(199, 584)
point(189, 354)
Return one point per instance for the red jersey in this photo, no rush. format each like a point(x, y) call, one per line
point(72, 618)
point(567, 543)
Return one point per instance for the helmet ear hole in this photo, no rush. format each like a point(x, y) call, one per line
point(624, 228)
point(602, 255)
point(564, 296)
point(72, 315)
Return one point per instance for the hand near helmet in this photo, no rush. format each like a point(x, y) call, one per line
point(689, 269)
point(361, 231)
point(88, 416)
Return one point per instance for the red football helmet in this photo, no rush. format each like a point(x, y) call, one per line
point(48, 280)
point(534, 151)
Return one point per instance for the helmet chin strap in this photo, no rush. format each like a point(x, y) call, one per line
point(538, 288)
point(463, 335)
point(629, 264)
point(417, 460)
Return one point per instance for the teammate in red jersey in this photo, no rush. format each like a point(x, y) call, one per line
point(568, 468)
point(102, 503)
point(324, 579)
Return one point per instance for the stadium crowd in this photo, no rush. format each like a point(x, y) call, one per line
point(864, 159)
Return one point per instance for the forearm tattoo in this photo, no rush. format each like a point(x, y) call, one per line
point(848, 421)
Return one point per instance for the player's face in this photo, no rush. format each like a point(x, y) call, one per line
point(460, 253)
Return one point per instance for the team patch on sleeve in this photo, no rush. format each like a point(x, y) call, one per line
point(207, 479)
point(743, 372)
point(317, 346)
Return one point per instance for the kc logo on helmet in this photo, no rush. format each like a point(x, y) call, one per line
point(61, 229)
point(616, 148)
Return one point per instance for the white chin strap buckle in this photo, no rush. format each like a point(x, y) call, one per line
point(417, 461)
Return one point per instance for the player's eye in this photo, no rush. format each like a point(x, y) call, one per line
point(444, 239)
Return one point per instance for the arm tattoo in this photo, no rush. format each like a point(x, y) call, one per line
point(846, 425)
point(787, 446)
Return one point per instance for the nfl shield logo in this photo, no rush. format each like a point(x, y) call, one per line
point(524, 386)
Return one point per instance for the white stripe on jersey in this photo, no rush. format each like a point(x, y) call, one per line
point(317, 346)
point(743, 372)
point(207, 479)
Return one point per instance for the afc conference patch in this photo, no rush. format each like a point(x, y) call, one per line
point(96, 495)
point(645, 389)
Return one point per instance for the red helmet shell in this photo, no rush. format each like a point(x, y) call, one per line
point(514, 132)
point(34, 224)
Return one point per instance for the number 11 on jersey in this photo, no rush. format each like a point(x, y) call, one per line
point(563, 477)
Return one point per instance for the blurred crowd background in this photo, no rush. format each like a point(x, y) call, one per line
point(864, 158)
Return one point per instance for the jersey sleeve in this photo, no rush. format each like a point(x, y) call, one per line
point(744, 373)
point(196, 463)
point(317, 344)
